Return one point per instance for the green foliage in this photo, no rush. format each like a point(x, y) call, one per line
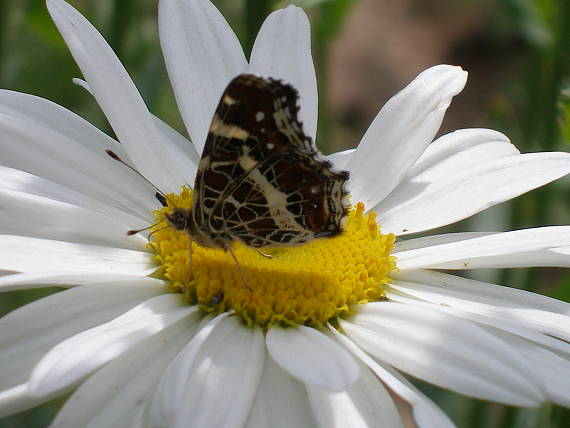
point(35, 21)
point(331, 17)
point(564, 115)
point(561, 289)
point(255, 12)
point(305, 4)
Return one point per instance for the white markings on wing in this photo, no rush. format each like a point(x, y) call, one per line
point(221, 129)
point(276, 200)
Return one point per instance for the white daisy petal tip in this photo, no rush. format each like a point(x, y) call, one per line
point(289, 13)
point(453, 76)
point(461, 174)
point(53, 3)
point(58, 9)
point(293, 7)
point(401, 132)
point(282, 50)
point(202, 55)
point(81, 83)
point(291, 10)
point(116, 94)
point(312, 357)
point(450, 80)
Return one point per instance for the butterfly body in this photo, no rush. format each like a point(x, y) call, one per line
point(261, 180)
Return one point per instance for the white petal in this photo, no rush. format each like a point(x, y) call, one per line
point(401, 131)
point(73, 359)
point(20, 181)
point(282, 50)
point(365, 404)
point(507, 331)
point(312, 357)
point(116, 94)
point(17, 399)
point(52, 116)
point(82, 84)
point(226, 377)
point(425, 413)
point(218, 373)
point(281, 401)
point(25, 281)
point(464, 147)
point(340, 160)
point(112, 395)
point(430, 241)
point(168, 396)
point(25, 254)
point(428, 201)
point(447, 351)
point(202, 55)
point(137, 419)
point(541, 246)
point(500, 295)
point(57, 145)
point(30, 331)
point(182, 151)
point(40, 217)
point(516, 307)
point(552, 369)
point(184, 157)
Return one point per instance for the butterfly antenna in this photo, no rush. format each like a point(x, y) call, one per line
point(135, 231)
point(160, 195)
point(239, 268)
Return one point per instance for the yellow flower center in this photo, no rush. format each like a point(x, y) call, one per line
point(309, 284)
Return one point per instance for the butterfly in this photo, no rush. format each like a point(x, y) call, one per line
point(261, 180)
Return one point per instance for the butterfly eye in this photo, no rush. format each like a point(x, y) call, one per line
point(179, 219)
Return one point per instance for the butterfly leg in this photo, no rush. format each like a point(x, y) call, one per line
point(229, 248)
point(190, 255)
point(267, 256)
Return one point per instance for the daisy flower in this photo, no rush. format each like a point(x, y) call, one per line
point(324, 336)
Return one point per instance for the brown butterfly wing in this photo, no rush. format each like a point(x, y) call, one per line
point(261, 179)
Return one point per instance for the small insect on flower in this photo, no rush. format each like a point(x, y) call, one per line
point(261, 180)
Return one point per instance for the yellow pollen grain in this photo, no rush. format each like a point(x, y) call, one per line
point(309, 284)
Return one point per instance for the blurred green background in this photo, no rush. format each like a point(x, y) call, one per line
point(516, 51)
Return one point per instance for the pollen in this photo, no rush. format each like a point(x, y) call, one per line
point(309, 284)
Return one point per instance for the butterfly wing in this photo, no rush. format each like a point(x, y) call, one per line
point(261, 179)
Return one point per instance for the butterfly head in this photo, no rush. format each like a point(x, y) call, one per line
point(180, 219)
